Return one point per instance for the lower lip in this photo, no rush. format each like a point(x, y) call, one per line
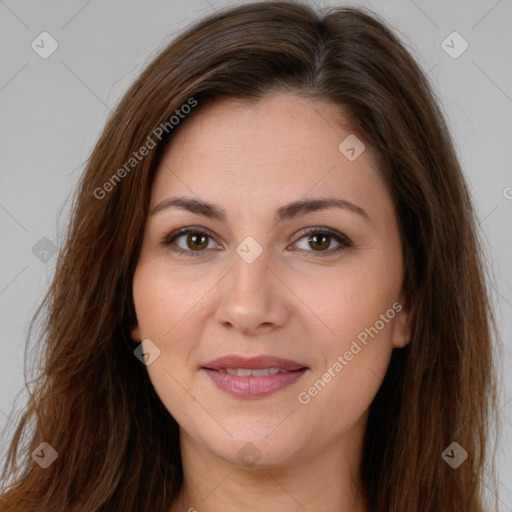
point(251, 386)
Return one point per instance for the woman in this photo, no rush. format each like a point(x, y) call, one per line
point(271, 294)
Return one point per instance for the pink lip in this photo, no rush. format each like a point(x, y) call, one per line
point(252, 386)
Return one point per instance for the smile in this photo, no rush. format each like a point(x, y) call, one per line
point(253, 377)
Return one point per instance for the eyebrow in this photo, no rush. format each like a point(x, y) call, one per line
point(286, 212)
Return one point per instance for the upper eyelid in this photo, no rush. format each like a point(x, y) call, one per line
point(187, 230)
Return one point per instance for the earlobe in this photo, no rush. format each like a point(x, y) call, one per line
point(135, 333)
point(403, 322)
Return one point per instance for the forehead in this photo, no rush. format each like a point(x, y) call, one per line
point(280, 124)
point(278, 148)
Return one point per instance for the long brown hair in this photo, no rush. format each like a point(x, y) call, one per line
point(117, 445)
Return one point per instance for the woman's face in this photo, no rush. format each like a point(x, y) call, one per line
point(255, 283)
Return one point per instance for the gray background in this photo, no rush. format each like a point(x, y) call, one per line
point(52, 111)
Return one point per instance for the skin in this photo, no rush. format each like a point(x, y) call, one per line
point(291, 302)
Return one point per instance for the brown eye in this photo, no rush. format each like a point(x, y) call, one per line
point(196, 241)
point(320, 239)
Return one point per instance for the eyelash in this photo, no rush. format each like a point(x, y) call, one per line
point(168, 240)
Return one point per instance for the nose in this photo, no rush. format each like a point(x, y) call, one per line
point(254, 298)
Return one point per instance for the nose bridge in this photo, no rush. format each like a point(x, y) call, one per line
point(250, 275)
point(250, 296)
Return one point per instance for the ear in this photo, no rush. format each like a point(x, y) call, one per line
point(404, 308)
point(135, 333)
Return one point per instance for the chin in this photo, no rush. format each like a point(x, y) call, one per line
point(255, 448)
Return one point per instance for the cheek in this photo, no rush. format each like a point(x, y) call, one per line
point(163, 300)
point(354, 338)
point(161, 307)
point(343, 302)
point(171, 307)
point(353, 361)
point(164, 307)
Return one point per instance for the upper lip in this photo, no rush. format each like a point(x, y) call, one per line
point(253, 363)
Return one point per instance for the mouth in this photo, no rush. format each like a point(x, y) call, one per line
point(253, 377)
